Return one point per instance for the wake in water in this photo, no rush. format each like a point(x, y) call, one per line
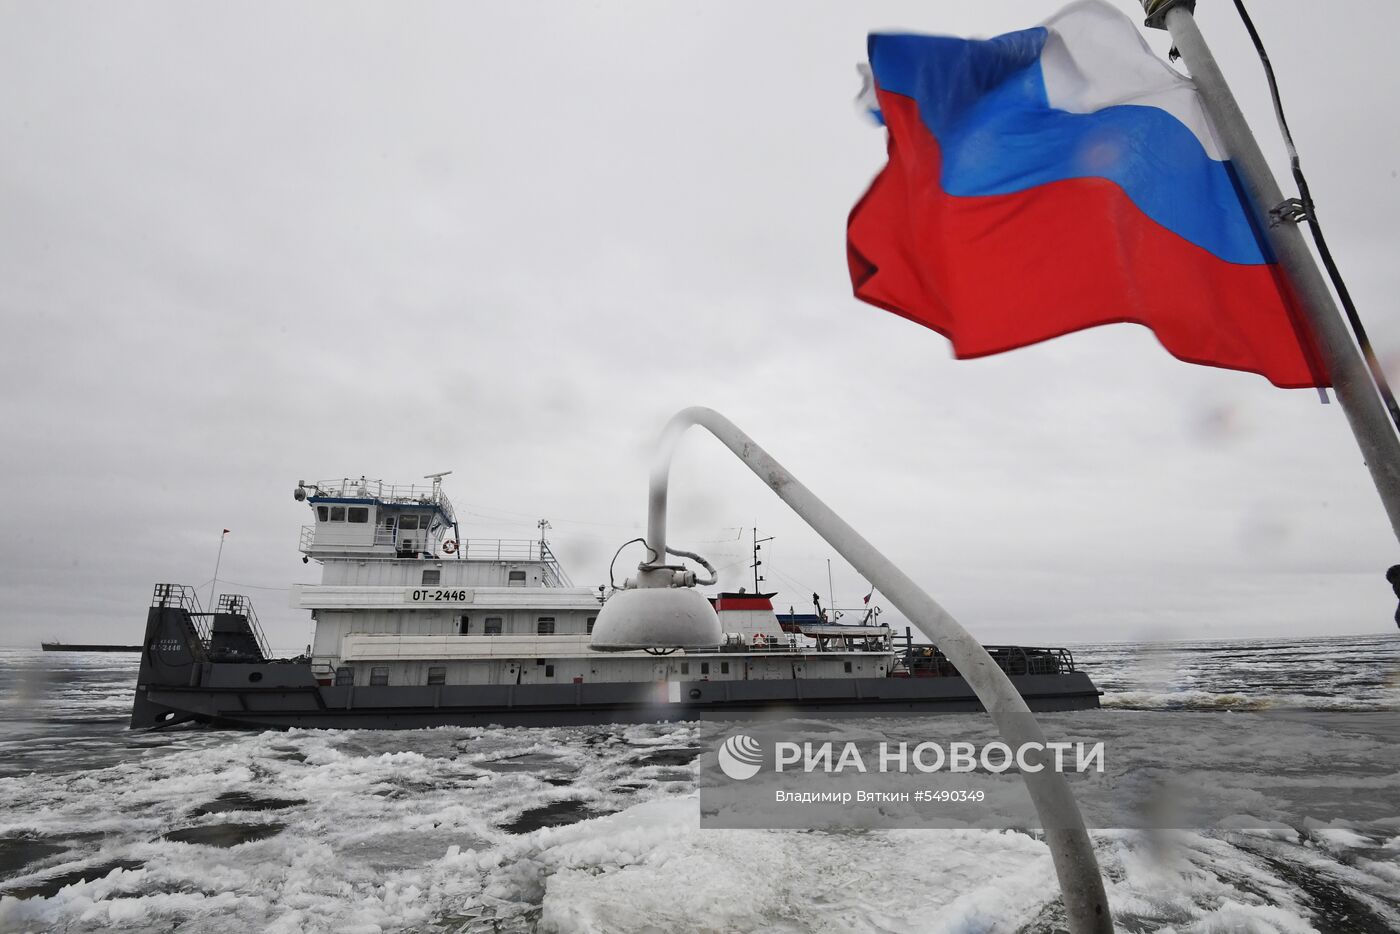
point(1350, 673)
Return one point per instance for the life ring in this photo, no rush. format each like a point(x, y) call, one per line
point(450, 547)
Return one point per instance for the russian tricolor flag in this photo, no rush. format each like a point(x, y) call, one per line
point(1059, 178)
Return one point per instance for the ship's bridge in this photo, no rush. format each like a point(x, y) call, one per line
point(372, 518)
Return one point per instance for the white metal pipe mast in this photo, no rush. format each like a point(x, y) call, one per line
point(215, 582)
point(1081, 886)
point(1357, 394)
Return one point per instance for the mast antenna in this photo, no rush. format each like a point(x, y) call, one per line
point(437, 481)
point(757, 546)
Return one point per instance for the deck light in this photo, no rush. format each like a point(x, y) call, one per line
point(656, 617)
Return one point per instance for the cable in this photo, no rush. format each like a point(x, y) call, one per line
point(230, 583)
point(1310, 215)
point(613, 562)
point(249, 586)
point(694, 557)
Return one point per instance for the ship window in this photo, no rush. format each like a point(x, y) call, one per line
point(344, 677)
point(379, 676)
point(431, 578)
point(704, 668)
point(517, 579)
point(545, 626)
point(685, 668)
point(358, 514)
point(464, 625)
point(408, 522)
point(323, 513)
point(549, 671)
point(493, 625)
point(437, 675)
point(337, 513)
point(591, 621)
point(848, 668)
point(724, 668)
point(389, 523)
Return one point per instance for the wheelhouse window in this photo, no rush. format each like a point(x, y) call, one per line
point(408, 522)
point(344, 676)
point(492, 626)
point(848, 667)
point(323, 513)
point(437, 675)
point(464, 625)
point(704, 668)
point(591, 621)
point(358, 514)
point(432, 577)
point(549, 671)
point(379, 676)
point(685, 668)
point(516, 579)
point(724, 668)
point(544, 626)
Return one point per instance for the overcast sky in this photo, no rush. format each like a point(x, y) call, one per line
point(243, 245)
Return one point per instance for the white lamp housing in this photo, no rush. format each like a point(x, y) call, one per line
point(656, 618)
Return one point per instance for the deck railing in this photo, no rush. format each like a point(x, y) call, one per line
point(178, 595)
point(788, 645)
point(468, 549)
point(239, 605)
point(401, 493)
point(1012, 659)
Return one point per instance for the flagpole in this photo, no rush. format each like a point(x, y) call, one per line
point(1380, 448)
point(215, 582)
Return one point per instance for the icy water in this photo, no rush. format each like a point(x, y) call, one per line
point(596, 828)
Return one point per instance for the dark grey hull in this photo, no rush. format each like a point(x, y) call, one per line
point(183, 679)
point(226, 698)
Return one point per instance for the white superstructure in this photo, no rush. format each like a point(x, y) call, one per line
point(405, 599)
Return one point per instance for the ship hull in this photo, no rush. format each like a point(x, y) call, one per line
point(185, 677)
point(285, 696)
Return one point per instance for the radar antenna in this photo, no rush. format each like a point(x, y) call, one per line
point(437, 480)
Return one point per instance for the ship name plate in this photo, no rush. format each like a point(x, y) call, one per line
point(438, 595)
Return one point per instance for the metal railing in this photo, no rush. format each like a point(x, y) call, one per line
point(516, 549)
point(778, 647)
point(382, 536)
point(184, 598)
point(239, 605)
point(399, 493)
point(838, 616)
point(927, 661)
point(468, 549)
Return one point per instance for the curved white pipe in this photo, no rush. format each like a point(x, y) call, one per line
point(1086, 904)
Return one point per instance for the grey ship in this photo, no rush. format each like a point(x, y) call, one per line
point(416, 626)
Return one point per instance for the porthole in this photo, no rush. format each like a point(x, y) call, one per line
point(694, 693)
point(255, 676)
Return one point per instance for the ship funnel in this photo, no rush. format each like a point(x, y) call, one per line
point(656, 618)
